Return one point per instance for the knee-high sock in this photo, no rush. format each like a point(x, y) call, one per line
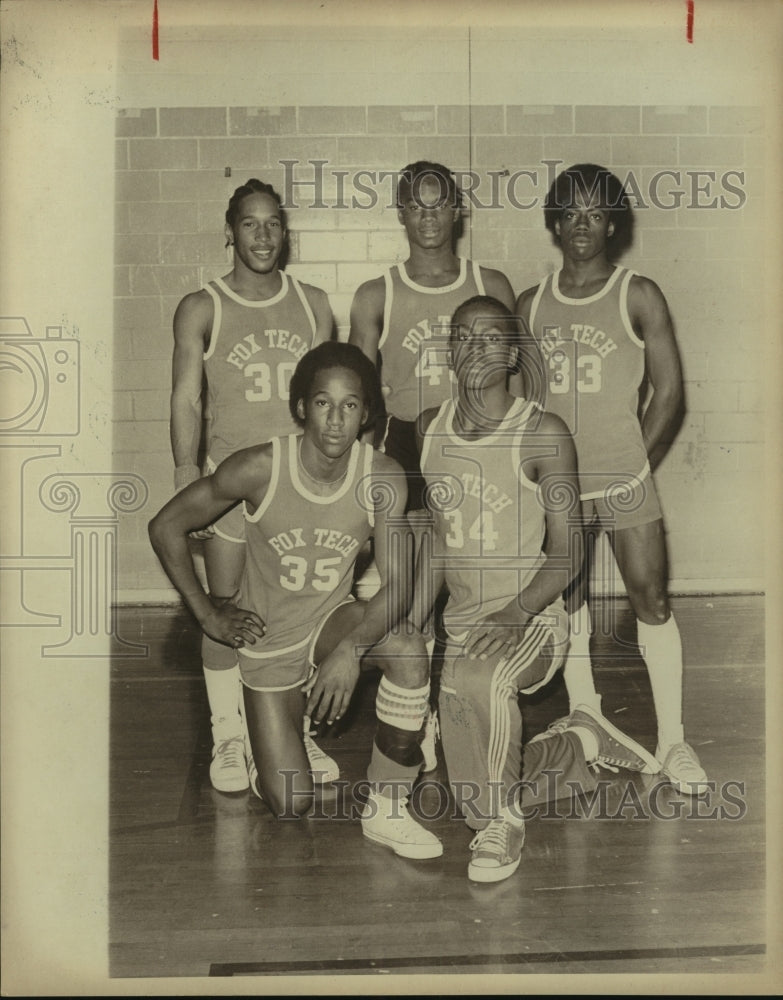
point(224, 689)
point(661, 648)
point(578, 669)
point(396, 754)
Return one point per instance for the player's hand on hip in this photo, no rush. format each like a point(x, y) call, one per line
point(330, 688)
point(207, 532)
point(233, 625)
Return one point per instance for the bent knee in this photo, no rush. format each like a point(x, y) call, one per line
point(404, 660)
point(650, 604)
point(291, 799)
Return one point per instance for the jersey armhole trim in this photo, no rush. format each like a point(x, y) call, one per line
point(260, 510)
point(477, 277)
point(426, 440)
point(367, 478)
point(217, 316)
point(535, 304)
point(516, 450)
point(305, 305)
point(624, 315)
point(387, 305)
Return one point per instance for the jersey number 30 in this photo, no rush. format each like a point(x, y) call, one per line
point(261, 374)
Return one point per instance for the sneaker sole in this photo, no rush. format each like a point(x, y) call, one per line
point(324, 777)
point(418, 852)
point(480, 873)
point(653, 765)
point(230, 786)
point(696, 788)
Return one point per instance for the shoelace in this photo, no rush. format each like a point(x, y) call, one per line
point(598, 763)
point(683, 760)
point(493, 836)
point(230, 752)
point(314, 752)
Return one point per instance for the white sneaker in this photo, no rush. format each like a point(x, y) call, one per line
point(388, 822)
point(496, 851)
point(429, 741)
point(252, 773)
point(683, 769)
point(228, 770)
point(324, 767)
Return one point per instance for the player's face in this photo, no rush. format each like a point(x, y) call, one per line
point(257, 233)
point(480, 350)
point(428, 214)
point(584, 228)
point(334, 411)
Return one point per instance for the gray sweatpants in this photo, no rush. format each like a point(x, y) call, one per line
point(481, 732)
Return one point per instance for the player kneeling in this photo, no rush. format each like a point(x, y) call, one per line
point(502, 488)
point(311, 502)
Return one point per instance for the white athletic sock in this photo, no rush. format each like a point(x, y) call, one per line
point(578, 669)
point(661, 648)
point(224, 691)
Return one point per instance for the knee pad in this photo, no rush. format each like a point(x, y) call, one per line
point(400, 745)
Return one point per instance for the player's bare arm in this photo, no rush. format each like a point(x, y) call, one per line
point(192, 327)
point(329, 691)
point(428, 577)
point(534, 388)
point(367, 317)
point(322, 311)
point(244, 475)
point(651, 321)
point(548, 458)
point(498, 286)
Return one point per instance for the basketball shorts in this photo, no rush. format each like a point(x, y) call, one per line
point(400, 444)
point(619, 507)
point(286, 667)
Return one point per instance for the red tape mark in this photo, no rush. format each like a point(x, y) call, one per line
point(155, 48)
point(689, 26)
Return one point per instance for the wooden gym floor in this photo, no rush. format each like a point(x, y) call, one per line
point(208, 884)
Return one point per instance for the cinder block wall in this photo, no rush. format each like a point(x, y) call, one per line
point(172, 190)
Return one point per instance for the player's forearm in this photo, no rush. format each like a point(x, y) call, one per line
point(171, 548)
point(660, 415)
point(428, 583)
point(546, 586)
point(185, 431)
point(383, 611)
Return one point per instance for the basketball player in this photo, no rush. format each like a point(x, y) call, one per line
point(501, 483)
point(400, 320)
point(403, 315)
point(311, 500)
point(602, 330)
point(242, 336)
